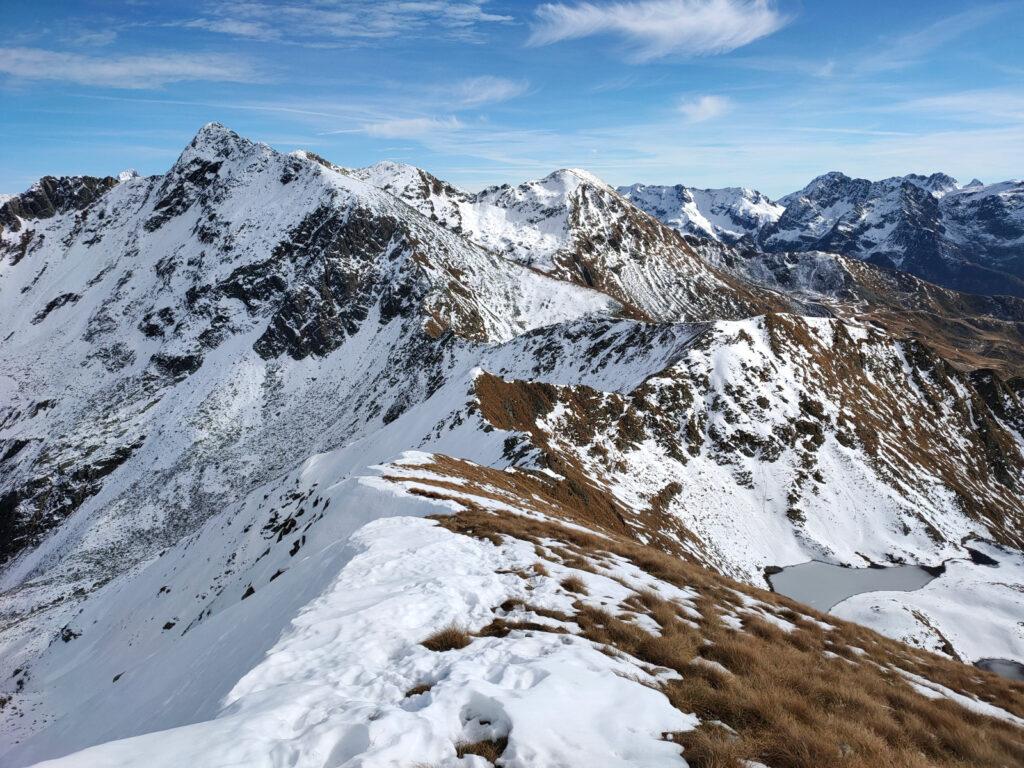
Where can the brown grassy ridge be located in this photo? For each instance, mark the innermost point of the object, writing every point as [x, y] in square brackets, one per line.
[812, 696]
[981, 476]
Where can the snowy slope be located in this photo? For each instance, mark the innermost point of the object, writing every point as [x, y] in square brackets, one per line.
[573, 226]
[729, 215]
[333, 688]
[777, 440]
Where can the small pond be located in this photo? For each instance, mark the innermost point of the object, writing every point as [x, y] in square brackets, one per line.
[823, 585]
[1012, 670]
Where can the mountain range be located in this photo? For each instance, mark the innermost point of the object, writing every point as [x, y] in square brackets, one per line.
[310, 465]
[970, 238]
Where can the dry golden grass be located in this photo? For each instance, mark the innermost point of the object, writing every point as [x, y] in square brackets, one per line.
[452, 637]
[501, 628]
[489, 750]
[574, 584]
[786, 703]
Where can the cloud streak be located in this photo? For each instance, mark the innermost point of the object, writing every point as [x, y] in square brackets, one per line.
[144, 71]
[657, 28]
[412, 128]
[705, 108]
[478, 91]
[908, 49]
[334, 21]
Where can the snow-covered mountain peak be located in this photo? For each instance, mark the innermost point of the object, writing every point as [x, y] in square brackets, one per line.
[829, 188]
[730, 214]
[938, 184]
[571, 179]
[215, 142]
[554, 192]
[575, 227]
[835, 184]
[389, 171]
[422, 190]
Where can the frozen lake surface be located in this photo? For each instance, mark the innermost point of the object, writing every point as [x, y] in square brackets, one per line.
[1004, 667]
[823, 585]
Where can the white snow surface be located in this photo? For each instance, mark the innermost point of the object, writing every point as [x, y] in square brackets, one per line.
[332, 690]
[976, 608]
[306, 656]
[727, 215]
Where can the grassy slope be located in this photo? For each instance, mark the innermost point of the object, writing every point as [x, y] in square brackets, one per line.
[770, 679]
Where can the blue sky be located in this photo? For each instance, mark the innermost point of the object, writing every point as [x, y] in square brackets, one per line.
[703, 92]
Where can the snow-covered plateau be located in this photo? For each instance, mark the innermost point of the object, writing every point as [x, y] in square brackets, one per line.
[311, 466]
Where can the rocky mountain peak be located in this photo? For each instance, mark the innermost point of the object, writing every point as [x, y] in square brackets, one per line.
[937, 183]
[828, 189]
[216, 142]
[969, 238]
[50, 196]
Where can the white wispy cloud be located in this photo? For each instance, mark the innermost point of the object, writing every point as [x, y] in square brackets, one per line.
[889, 53]
[657, 28]
[254, 30]
[411, 127]
[704, 108]
[95, 37]
[487, 89]
[320, 23]
[997, 105]
[143, 71]
[911, 47]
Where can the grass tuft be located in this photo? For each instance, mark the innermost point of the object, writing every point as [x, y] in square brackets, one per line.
[574, 584]
[489, 750]
[451, 638]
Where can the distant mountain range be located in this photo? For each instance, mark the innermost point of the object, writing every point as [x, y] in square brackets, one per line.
[970, 237]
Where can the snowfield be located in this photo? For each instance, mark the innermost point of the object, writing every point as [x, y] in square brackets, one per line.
[973, 609]
[332, 690]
